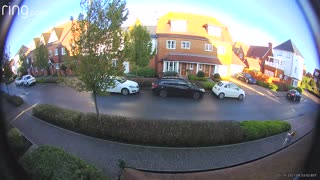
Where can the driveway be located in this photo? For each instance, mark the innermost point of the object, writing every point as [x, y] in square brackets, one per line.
[258, 104]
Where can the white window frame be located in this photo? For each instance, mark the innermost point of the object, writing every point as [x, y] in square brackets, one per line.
[178, 26]
[56, 52]
[208, 47]
[185, 45]
[191, 66]
[294, 83]
[221, 50]
[171, 44]
[200, 67]
[63, 50]
[171, 66]
[50, 53]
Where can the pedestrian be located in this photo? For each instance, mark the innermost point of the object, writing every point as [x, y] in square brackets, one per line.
[289, 137]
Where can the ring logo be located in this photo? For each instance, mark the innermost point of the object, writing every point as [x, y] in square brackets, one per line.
[12, 10]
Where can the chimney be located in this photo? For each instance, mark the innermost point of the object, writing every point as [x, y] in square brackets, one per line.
[270, 45]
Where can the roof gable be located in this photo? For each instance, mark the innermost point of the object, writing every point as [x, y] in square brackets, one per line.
[23, 49]
[253, 63]
[288, 46]
[236, 60]
[44, 38]
[257, 51]
[53, 37]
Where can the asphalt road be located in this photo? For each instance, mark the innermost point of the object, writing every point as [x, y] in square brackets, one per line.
[259, 104]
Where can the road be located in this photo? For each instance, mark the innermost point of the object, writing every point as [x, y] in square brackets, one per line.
[259, 104]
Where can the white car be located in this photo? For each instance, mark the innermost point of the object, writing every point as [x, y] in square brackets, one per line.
[27, 80]
[228, 89]
[18, 81]
[123, 86]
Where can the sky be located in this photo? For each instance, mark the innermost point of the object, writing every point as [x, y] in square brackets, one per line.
[254, 22]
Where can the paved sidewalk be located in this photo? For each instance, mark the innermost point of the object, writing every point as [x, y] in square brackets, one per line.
[106, 155]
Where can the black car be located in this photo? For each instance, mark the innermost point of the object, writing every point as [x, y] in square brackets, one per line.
[176, 87]
[294, 95]
[246, 77]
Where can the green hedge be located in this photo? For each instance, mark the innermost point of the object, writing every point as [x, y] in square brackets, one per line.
[208, 85]
[196, 78]
[261, 129]
[172, 133]
[49, 79]
[147, 72]
[271, 86]
[144, 82]
[18, 142]
[47, 162]
[170, 73]
[13, 99]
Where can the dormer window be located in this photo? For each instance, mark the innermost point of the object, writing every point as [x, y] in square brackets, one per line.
[214, 30]
[178, 25]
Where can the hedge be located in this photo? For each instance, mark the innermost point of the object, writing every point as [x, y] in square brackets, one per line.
[49, 79]
[196, 78]
[47, 162]
[171, 133]
[13, 99]
[208, 85]
[18, 142]
[143, 82]
[261, 129]
[271, 86]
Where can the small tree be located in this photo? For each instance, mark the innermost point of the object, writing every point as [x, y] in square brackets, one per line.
[41, 57]
[23, 69]
[96, 42]
[6, 68]
[138, 46]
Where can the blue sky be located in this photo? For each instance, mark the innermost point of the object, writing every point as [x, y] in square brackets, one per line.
[254, 22]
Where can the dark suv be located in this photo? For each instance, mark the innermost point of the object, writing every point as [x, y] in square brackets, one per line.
[176, 87]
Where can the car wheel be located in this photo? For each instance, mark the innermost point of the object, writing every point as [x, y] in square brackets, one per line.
[247, 81]
[241, 97]
[124, 91]
[163, 93]
[196, 95]
[221, 96]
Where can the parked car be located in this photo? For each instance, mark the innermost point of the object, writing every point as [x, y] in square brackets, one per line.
[246, 77]
[18, 81]
[294, 95]
[176, 87]
[123, 86]
[228, 89]
[27, 80]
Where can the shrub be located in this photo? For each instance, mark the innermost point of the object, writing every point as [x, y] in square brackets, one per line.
[200, 74]
[63, 67]
[147, 72]
[18, 142]
[144, 82]
[49, 79]
[15, 100]
[153, 132]
[170, 73]
[208, 85]
[216, 77]
[196, 78]
[261, 129]
[47, 162]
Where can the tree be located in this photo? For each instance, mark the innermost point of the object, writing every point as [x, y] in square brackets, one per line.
[7, 71]
[96, 44]
[138, 46]
[23, 69]
[41, 57]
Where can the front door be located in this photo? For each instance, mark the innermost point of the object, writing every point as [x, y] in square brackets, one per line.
[206, 70]
[183, 69]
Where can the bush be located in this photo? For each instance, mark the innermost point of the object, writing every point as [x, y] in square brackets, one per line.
[208, 85]
[147, 72]
[271, 86]
[49, 79]
[261, 129]
[15, 100]
[63, 67]
[144, 82]
[47, 162]
[146, 132]
[216, 77]
[200, 74]
[170, 73]
[17, 142]
[196, 78]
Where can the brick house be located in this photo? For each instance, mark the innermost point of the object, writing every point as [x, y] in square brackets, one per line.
[15, 61]
[189, 43]
[316, 77]
[256, 57]
[287, 64]
[240, 49]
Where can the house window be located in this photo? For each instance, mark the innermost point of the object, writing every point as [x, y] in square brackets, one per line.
[56, 52]
[241, 56]
[57, 66]
[171, 66]
[280, 76]
[200, 67]
[288, 54]
[178, 26]
[279, 53]
[214, 30]
[185, 44]
[50, 53]
[221, 50]
[191, 66]
[285, 78]
[208, 47]
[154, 45]
[295, 69]
[114, 62]
[171, 44]
[294, 83]
[63, 50]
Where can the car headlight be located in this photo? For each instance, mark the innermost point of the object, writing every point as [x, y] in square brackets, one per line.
[202, 90]
[132, 86]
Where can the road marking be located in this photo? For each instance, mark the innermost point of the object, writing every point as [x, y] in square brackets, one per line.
[20, 114]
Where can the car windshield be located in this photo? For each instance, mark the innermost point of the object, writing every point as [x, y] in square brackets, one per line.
[220, 84]
[121, 79]
[248, 75]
